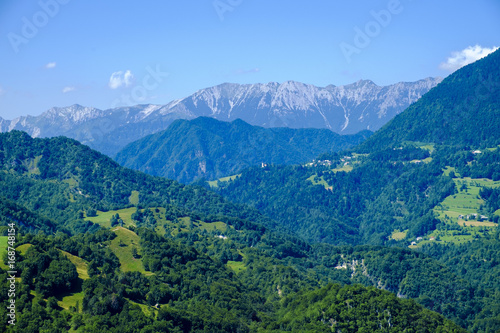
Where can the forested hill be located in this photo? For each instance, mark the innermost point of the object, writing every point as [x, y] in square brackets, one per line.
[64, 180]
[464, 109]
[114, 250]
[211, 149]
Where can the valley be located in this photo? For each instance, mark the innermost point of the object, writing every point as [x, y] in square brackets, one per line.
[391, 231]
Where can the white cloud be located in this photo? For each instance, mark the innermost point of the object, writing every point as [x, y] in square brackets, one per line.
[50, 65]
[467, 56]
[119, 79]
[247, 71]
[68, 89]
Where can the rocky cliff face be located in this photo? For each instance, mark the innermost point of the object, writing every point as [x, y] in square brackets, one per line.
[344, 109]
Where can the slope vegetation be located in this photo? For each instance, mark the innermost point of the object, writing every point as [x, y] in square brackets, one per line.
[208, 148]
[464, 109]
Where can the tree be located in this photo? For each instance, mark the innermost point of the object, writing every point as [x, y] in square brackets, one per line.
[134, 253]
[91, 212]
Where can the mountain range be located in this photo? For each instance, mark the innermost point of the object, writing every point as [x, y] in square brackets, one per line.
[343, 109]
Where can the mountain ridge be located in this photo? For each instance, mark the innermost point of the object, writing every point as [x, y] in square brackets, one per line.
[208, 148]
[344, 109]
[464, 109]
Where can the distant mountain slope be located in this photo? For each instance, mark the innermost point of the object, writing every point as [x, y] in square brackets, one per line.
[464, 109]
[3, 125]
[343, 109]
[205, 147]
[104, 130]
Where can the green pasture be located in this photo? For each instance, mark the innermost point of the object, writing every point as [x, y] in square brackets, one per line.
[466, 201]
[215, 183]
[398, 235]
[122, 247]
[236, 266]
[103, 218]
[80, 264]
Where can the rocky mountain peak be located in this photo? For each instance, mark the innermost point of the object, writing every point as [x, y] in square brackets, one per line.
[74, 113]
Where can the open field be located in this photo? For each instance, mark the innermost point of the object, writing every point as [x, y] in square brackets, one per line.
[122, 247]
[3, 244]
[146, 309]
[103, 218]
[3, 249]
[449, 169]
[421, 145]
[213, 183]
[466, 202]
[319, 181]
[134, 198]
[162, 226]
[221, 226]
[236, 266]
[23, 248]
[447, 237]
[81, 265]
[477, 223]
[68, 300]
[345, 168]
[398, 235]
[462, 208]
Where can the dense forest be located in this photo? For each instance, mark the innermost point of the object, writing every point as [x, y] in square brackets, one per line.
[182, 289]
[383, 192]
[208, 148]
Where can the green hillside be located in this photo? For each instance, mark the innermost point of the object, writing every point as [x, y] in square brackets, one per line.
[10, 212]
[357, 309]
[363, 204]
[76, 182]
[464, 109]
[186, 259]
[186, 290]
[211, 149]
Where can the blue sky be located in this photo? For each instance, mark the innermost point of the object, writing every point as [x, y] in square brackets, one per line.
[111, 53]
